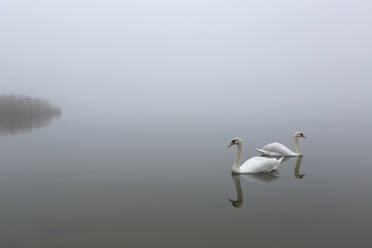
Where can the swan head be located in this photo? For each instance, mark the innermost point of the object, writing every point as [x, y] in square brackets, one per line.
[299, 135]
[235, 141]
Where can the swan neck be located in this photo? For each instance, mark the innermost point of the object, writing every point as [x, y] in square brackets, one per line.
[298, 147]
[238, 157]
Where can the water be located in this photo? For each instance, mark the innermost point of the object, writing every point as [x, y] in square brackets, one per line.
[85, 181]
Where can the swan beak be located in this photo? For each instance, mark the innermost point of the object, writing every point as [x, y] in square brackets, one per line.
[303, 136]
[231, 144]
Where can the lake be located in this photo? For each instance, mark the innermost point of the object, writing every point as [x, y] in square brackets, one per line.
[127, 180]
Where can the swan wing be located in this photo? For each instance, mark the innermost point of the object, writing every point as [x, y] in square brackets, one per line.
[259, 165]
[278, 149]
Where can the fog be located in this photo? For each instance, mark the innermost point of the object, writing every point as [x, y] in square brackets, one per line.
[152, 92]
[188, 56]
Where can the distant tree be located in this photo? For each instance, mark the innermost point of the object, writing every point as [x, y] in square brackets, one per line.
[22, 113]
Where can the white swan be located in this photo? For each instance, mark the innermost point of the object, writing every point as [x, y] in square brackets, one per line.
[252, 165]
[277, 149]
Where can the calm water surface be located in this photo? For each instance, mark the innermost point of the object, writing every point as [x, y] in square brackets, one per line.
[86, 181]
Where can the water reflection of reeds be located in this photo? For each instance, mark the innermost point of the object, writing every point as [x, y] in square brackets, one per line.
[21, 114]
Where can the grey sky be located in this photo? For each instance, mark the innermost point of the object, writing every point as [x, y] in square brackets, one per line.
[187, 55]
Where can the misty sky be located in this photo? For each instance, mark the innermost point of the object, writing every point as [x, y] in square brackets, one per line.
[188, 55]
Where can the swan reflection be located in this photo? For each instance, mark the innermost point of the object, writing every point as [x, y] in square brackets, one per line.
[256, 178]
[297, 169]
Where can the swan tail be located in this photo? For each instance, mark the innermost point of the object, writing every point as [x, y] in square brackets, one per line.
[267, 153]
[280, 159]
[261, 151]
[277, 165]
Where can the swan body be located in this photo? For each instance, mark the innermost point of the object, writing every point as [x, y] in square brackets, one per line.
[258, 165]
[255, 164]
[276, 149]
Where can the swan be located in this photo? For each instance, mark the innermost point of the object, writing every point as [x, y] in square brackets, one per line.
[277, 149]
[252, 165]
